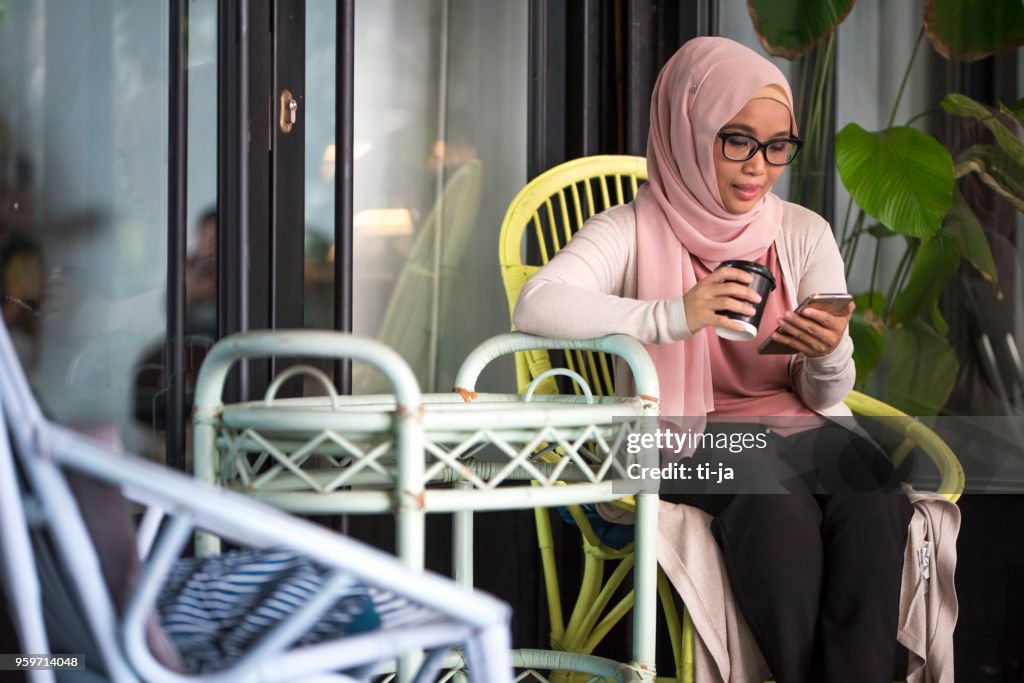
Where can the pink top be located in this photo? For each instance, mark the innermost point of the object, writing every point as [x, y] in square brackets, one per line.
[744, 381]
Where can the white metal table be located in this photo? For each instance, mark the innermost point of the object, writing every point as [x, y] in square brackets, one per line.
[393, 453]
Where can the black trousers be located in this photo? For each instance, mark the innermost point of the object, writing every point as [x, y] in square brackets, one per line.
[816, 571]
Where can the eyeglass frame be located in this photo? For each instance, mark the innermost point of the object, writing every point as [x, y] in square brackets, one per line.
[760, 147]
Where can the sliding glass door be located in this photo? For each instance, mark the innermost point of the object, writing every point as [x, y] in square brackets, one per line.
[172, 171]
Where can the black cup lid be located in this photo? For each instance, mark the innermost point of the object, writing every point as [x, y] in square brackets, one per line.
[750, 267]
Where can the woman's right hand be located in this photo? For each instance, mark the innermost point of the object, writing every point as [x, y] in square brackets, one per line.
[725, 289]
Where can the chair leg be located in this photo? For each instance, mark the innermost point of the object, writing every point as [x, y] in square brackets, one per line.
[675, 635]
[462, 542]
[645, 585]
[689, 672]
[597, 632]
[593, 600]
[546, 545]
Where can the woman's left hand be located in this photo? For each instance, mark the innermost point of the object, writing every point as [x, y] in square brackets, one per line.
[813, 332]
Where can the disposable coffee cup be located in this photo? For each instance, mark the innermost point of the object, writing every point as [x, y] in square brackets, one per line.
[763, 284]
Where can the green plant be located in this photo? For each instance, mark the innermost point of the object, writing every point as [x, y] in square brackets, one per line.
[904, 179]
[958, 29]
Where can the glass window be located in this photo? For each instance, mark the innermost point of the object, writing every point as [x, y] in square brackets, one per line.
[440, 150]
[83, 162]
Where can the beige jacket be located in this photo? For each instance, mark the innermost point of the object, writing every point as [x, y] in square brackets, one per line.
[725, 649]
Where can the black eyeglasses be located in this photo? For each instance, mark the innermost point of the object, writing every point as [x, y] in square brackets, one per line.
[777, 151]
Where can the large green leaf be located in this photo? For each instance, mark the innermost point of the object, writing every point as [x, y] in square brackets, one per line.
[962, 105]
[900, 175]
[962, 222]
[868, 333]
[996, 168]
[935, 263]
[923, 369]
[971, 29]
[790, 28]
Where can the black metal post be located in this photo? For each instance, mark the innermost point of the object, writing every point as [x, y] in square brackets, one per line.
[344, 94]
[641, 71]
[177, 231]
[546, 104]
[591, 84]
[232, 178]
[698, 19]
[259, 94]
[286, 175]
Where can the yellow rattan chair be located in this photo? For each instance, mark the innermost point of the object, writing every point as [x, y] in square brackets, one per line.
[551, 209]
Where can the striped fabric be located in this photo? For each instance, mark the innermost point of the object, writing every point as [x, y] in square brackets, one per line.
[215, 609]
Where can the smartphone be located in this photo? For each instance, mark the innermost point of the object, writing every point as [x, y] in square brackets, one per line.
[830, 303]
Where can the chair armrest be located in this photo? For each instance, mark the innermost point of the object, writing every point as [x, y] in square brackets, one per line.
[191, 504]
[248, 522]
[951, 473]
[626, 347]
[316, 344]
[308, 344]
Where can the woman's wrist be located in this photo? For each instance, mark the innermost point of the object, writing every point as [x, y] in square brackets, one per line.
[678, 322]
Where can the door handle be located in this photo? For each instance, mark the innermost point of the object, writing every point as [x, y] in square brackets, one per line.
[288, 111]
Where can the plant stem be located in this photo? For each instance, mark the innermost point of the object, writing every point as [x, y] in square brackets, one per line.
[858, 228]
[874, 272]
[898, 277]
[825, 119]
[906, 76]
[890, 295]
[846, 221]
[905, 275]
[922, 115]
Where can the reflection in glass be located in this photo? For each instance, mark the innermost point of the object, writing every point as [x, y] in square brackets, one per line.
[83, 181]
[440, 148]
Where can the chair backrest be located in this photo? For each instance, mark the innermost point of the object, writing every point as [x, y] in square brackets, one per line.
[541, 219]
[44, 536]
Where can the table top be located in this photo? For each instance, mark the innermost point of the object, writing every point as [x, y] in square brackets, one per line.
[550, 440]
[442, 413]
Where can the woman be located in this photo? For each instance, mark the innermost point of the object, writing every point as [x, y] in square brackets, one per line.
[816, 575]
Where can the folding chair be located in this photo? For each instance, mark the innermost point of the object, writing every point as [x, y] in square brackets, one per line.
[61, 604]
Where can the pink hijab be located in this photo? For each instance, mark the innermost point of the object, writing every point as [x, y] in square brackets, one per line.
[679, 212]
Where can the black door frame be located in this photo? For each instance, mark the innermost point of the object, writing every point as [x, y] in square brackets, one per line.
[592, 68]
[260, 173]
[260, 189]
[177, 231]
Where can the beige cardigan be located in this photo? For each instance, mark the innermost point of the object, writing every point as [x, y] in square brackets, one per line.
[589, 289]
[725, 649]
